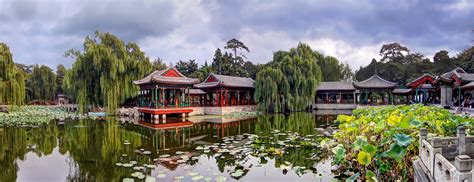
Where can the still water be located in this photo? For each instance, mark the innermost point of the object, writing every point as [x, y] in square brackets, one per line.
[265, 148]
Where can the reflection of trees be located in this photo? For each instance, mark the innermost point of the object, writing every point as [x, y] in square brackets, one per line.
[301, 122]
[96, 147]
[16, 142]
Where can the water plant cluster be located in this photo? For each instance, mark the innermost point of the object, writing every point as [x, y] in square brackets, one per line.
[242, 114]
[30, 116]
[381, 143]
[290, 150]
[234, 155]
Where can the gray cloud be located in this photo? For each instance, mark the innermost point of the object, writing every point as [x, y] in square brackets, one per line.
[40, 31]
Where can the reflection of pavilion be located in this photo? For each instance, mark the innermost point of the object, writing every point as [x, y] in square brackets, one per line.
[173, 135]
[325, 118]
[178, 134]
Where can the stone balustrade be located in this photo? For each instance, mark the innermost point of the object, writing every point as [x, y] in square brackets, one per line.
[445, 159]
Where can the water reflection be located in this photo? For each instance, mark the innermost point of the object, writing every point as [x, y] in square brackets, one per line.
[91, 149]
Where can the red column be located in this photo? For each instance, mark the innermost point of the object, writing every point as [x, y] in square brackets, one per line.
[222, 98]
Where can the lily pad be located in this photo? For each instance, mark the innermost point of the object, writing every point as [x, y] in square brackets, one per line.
[127, 165]
[192, 174]
[136, 174]
[150, 179]
[178, 177]
[196, 178]
[128, 180]
[237, 173]
[221, 179]
[161, 175]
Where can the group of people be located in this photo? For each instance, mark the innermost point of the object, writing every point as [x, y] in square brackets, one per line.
[466, 102]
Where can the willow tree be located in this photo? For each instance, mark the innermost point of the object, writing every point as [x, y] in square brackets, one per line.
[289, 81]
[103, 73]
[12, 79]
[41, 84]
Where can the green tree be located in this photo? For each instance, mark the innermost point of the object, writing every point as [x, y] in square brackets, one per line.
[347, 73]
[393, 52]
[289, 81]
[251, 69]
[398, 64]
[103, 73]
[465, 59]
[235, 45]
[158, 64]
[203, 72]
[41, 84]
[233, 64]
[187, 68]
[12, 79]
[331, 69]
[60, 73]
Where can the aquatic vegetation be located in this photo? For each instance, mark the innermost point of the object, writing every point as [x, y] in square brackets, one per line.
[380, 143]
[242, 114]
[114, 150]
[29, 116]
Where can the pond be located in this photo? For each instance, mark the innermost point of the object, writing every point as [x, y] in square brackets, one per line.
[265, 148]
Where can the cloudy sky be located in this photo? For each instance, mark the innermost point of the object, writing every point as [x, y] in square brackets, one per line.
[351, 30]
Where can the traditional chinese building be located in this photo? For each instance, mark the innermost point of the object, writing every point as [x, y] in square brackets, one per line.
[455, 86]
[222, 90]
[165, 92]
[168, 92]
[374, 91]
[335, 95]
[423, 89]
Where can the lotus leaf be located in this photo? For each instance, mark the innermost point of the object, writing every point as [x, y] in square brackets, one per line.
[364, 158]
[402, 139]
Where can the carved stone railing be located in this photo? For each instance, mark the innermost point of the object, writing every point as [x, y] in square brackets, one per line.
[445, 159]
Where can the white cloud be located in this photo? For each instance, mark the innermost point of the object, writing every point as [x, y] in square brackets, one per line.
[356, 56]
[182, 30]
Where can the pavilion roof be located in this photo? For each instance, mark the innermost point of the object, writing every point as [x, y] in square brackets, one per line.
[215, 80]
[467, 77]
[401, 90]
[324, 86]
[169, 75]
[375, 81]
[420, 78]
[459, 73]
[468, 86]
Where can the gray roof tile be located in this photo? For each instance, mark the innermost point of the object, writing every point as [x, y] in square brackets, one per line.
[227, 81]
[375, 81]
[335, 86]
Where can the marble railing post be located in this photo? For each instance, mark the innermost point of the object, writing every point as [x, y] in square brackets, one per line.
[461, 134]
[423, 134]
